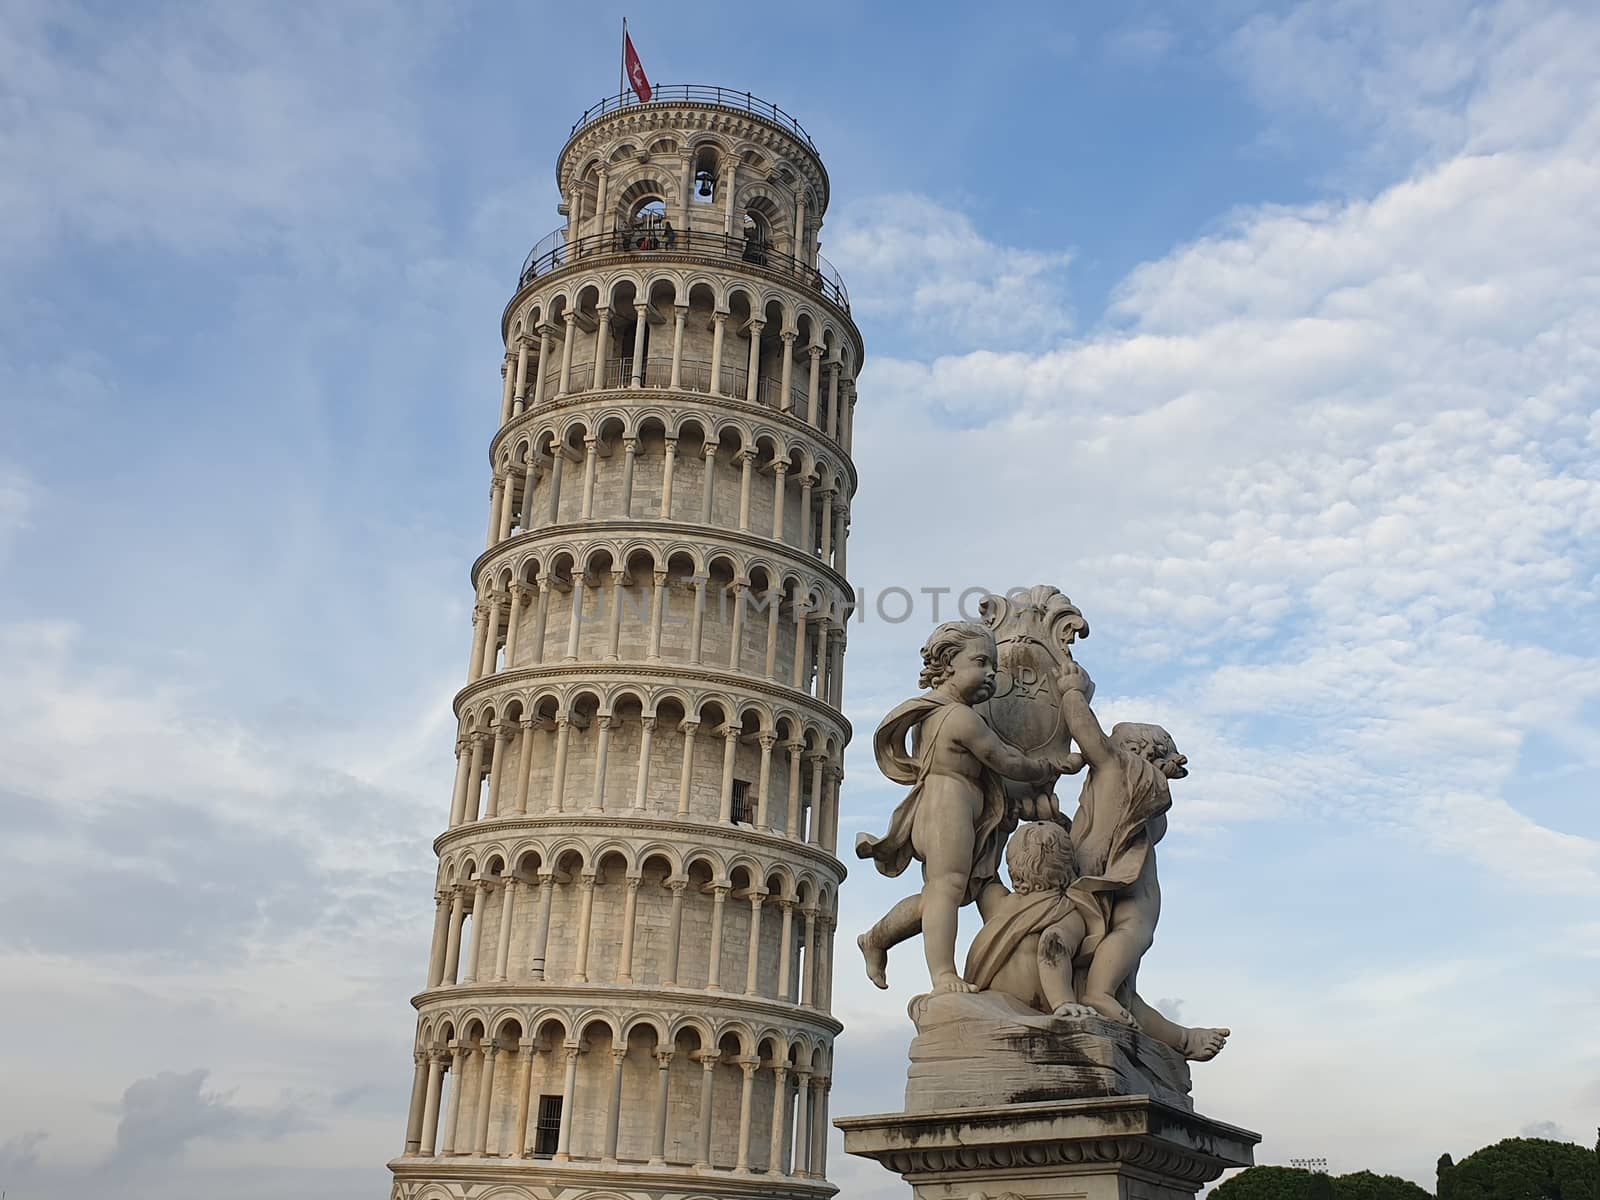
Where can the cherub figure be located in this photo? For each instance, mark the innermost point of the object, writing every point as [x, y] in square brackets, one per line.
[1031, 936]
[1121, 816]
[955, 819]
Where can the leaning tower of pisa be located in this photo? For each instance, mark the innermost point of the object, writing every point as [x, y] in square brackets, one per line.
[629, 986]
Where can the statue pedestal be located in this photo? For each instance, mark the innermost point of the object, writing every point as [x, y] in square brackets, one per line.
[984, 1049]
[1093, 1148]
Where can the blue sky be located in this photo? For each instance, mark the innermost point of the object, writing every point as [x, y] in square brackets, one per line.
[1266, 332]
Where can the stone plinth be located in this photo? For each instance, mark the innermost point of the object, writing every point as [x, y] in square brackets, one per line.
[986, 1049]
[1106, 1148]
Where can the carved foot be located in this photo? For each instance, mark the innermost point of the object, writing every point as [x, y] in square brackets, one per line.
[1110, 1009]
[951, 982]
[1202, 1045]
[1071, 1009]
[877, 960]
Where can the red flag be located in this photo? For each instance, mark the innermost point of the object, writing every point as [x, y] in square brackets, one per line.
[636, 76]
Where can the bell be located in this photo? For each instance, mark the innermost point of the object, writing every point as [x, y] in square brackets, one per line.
[705, 180]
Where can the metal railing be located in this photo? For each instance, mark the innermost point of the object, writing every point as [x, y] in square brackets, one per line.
[553, 251]
[697, 93]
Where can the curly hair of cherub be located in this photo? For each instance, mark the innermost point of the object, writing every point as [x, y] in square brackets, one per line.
[1146, 741]
[1039, 858]
[942, 646]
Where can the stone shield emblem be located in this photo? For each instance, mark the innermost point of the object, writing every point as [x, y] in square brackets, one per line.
[1034, 630]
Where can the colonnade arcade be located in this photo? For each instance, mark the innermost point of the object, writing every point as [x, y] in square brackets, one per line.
[700, 467]
[480, 1076]
[683, 331]
[663, 917]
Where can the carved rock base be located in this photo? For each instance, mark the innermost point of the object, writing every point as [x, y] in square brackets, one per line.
[1113, 1148]
[983, 1049]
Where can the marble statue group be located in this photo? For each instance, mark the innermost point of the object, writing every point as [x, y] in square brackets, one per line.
[1004, 714]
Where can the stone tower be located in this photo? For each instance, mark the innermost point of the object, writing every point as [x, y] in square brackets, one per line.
[629, 985]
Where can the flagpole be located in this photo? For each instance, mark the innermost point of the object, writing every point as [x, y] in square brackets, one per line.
[622, 64]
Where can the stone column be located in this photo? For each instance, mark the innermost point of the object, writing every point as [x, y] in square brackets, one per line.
[820, 683]
[780, 470]
[762, 816]
[786, 948]
[508, 383]
[569, 1089]
[508, 905]
[541, 944]
[658, 1145]
[602, 333]
[558, 459]
[686, 771]
[801, 612]
[753, 958]
[480, 620]
[680, 313]
[441, 936]
[419, 1089]
[469, 811]
[753, 371]
[641, 315]
[670, 974]
[819, 1126]
[658, 600]
[585, 923]
[833, 399]
[669, 458]
[814, 385]
[602, 204]
[780, 1114]
[630, 455]
[495, 490]
[800, 251]
[614, 634]
[458, 796]
[708, 482]
[826, 524]
[807, 542]
[646, 738]
[541, 619]
[792, 817]
[558, 781]
[544, 359]
[567, 338]
[802, 1127]
[719, 902]
[748, 1066]
[508, 507]
[774, 605]
[813, 837]
[479, 892]
[614, 1108]
[630, 918]
[575, 619]
[525, 764]
[480, 1137]
[731, 175]
[786, 383]
[602, 752]
[697, 622]
[524, 1086]
[518, 389]
[519, 595]
[719, 321]
[808, 980]
[430, 1111]
[736, 640]
[457, 1074]
[502, 735]
[730, 748]
[708, 1066]
[452, 957]
[491, 637]
[747, 460]
[591, 455]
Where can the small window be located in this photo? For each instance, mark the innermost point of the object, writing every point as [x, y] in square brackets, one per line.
[547, 1136]
[741, 802]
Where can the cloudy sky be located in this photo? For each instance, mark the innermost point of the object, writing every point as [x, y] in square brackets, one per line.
[1268, 333]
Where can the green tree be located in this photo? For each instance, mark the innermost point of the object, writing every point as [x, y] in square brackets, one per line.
[1527, 1169]
[1269, 1183]
[1364, 1185]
